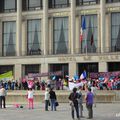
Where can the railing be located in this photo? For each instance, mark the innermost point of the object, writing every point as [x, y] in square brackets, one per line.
[9, 10]
[35, 8]
[112, 1]
[88, 51]
[59, 6]
[87, 2]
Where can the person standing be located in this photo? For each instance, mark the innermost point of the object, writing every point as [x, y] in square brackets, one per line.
[89, 103]
[80, 101]
[2, 96]
[47, 97]
[52, 99]
[30, 98]
[73, 97]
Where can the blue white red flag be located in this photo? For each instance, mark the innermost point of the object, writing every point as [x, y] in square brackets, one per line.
[83, 28]
[83, 75]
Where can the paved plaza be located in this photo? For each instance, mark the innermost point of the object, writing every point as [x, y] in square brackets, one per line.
[101, 112]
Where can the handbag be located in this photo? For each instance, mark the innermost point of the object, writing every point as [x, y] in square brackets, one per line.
[56, 103]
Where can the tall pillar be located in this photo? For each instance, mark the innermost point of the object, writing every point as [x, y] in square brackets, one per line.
[45, 26]
[0, 38]
[18, 71]
[102, 11]
[24, 37]
[18, 26]
[73, 23]
[72, 69]
[103, 67]
[108, 31]
[44, 69]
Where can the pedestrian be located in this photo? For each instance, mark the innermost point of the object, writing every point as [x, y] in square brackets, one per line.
[47, 97]
[93, 90]
[89, 103]
[73, 97]
[80, 101]
[53, 99]
[2, 97]
[30, 98]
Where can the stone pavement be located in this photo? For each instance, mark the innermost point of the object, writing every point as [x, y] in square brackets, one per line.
[101, 112]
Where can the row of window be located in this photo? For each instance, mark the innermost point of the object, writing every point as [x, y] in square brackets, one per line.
[60, 40]
[11, 5]
[35, 68]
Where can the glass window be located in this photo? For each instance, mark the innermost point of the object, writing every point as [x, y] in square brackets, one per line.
[31, 69]
[115, 32]
[9, 5]
[90, 34]
[34, 37]
[9, 38]
[34, 4]
[60, 40]
[58, 3]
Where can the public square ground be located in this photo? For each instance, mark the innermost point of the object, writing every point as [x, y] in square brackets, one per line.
[101, 112]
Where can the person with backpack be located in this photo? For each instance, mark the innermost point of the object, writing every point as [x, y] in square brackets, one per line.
[73, 97]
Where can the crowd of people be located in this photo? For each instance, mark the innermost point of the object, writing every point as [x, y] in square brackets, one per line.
[62, 84]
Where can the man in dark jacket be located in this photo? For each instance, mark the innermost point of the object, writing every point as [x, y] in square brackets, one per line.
[52, 99]
[74, 103]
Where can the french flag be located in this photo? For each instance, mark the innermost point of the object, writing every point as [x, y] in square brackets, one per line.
[83, 75]
[83, 28]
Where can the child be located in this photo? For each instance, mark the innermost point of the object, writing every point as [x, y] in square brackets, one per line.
[30, 98]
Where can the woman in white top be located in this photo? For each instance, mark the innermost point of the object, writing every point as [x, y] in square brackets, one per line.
[30, 98]
[47, 97]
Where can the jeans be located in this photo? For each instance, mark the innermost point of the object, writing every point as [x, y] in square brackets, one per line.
[52, 103]
[46, 104]
[2, 99]
[75, 106]
[90, 110]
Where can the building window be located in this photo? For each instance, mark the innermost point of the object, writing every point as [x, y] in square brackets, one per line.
[115, 32]
[90, 34]
[32, 69]
[112, 1]
[58, 3]
[60, 31]
[34, 4]
[34, 37]
[87, 2]
[10, 5]
[88, 67]
[9, 38]
[5, 68]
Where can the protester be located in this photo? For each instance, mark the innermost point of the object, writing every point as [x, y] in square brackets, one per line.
[30, 98]
[2, 97]
[80, 101]
[47, 97]
[74, 103]
[53, 99]
[89, 103]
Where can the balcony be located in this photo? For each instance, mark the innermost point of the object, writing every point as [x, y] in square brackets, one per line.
[87, 2]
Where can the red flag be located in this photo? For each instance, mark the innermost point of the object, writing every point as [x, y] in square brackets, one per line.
[92, 40]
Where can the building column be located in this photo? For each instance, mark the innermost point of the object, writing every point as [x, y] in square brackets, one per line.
[73, 23]
[1, 38]
[72, 69]
[103, 67]
[18, 71]
[44, 69]
[24, 37]
[103, 30]
[108, 32]
[18, 27]
[45, 26]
